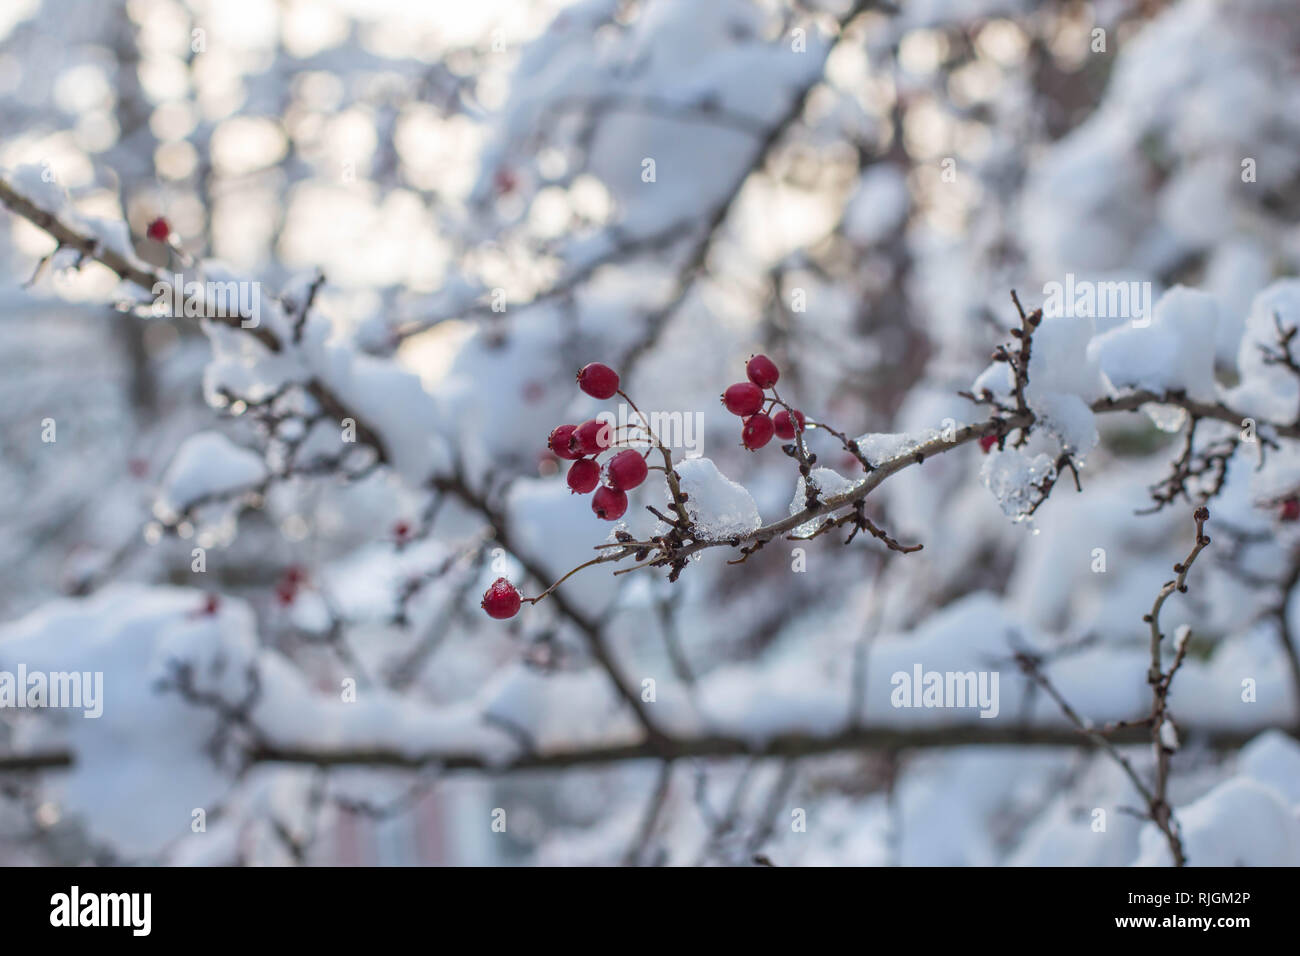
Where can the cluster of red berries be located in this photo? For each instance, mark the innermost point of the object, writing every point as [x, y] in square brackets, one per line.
[583, 444]
[749, 401]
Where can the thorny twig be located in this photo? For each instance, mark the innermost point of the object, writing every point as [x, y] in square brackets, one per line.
[1163, 733]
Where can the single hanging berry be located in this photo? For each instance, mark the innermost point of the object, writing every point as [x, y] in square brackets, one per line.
[159, 230]
[598, 381]
[561, 442]
[592, 437]
[762, 371]
[786, 422]
[584, 475]
[501, 600]
[626, 470]
[743, 398]
[609, 503]
[285, 593]
[757, 432]
[987, 442]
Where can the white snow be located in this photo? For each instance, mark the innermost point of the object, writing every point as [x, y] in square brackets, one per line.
[1174, 353]
[718, 507]
[1014, 479]
[207, 465]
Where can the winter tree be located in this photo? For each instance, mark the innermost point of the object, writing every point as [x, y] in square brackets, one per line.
[650, 432]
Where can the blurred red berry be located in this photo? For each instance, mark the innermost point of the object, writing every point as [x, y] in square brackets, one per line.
[743, 398]
[401, 531]
[785, 424]
[757, 432]
[1291, 509]
[501, 600]
[584, 475]
[987, 442]
[609, 503]
[598, 381]
[627, 470]
[159, 230]
[505, 181]
[211, 604]
[762, 371]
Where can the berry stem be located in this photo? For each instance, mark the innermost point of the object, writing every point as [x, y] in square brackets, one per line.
[679, 503]
[612, 556]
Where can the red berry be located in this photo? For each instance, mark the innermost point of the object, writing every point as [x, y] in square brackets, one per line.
[592, 437]
[626, 470]
[561, 440]
[609, 503]
[159, 230]
[501, 600]
[1291, 509]
[757, 432]
[285, 593]
[401, 531]
[785, 425]
[598, 381]
[211, 604]
[987, 442]
[744, 398]
[762, 371]
[584, 475]
[504, 181]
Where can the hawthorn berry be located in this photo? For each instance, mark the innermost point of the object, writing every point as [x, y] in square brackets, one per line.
[757, 432]
[785, 423]
[987, 442]
[626, 470]
[592, 437]
[1291, 509]
[504, 181]
[598, 381]
[159, 230]
[609, 503]
[762, 371]
[584, 474]
[561, 442]
[743, 398]
[501, 600]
